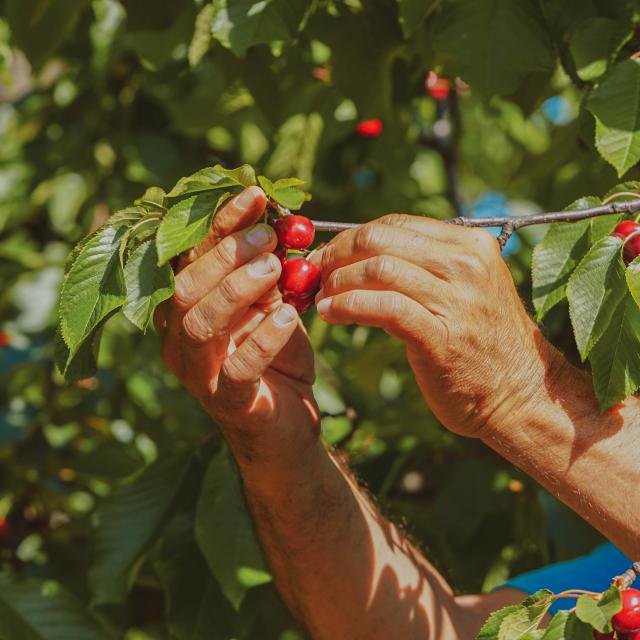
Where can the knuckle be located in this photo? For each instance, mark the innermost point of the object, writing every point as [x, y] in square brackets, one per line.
[367, 238]
[256, 348]
[195, 326]
[393, 306]
[236, 370]
[381, 268]
[229, 291]
[183, 294]
[334, 281]
[395, 219]
[224, 253]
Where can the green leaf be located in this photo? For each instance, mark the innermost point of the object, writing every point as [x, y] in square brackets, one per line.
[615, 359]
[411, 14]
[206, 179]
[594, 42]
[240, 24]
[147, 284]
[602, 226]
[129, 521]
[520, 623]
[565, 626]
[197, 608]
[93, 287]
[153, 197]
[554, 259]
[296, 145]
[33, 609]
[225, 533]
[496, 43]
[491, 628]
[201, 39]
[594, 290]
[598, 613]
[39, 27]
[285, 191]
[615, 103]
[185, 224]
[243, 176]
[127, 216]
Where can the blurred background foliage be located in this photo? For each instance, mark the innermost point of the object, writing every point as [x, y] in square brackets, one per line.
[104, 485]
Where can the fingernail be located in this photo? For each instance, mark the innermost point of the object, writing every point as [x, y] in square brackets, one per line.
[323, 306]
[284, 315]
[262, 266]
[260, 235]
[245, 199]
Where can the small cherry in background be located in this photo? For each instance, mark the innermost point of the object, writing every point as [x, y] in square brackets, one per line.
[628, 619]
[438, 88]
[4, 339]
[632, 246]
[294, 231]
[5, 531]
[370, 128]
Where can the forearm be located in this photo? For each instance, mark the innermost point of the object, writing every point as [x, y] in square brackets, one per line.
[344, 570]
[587, 459]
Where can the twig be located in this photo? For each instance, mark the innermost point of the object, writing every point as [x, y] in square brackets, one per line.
[509, 224]
[625, 580]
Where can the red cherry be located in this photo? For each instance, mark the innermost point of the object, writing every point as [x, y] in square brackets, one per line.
[294, 232]
[632, 635]
[629, 618]
[4, 339]
[299, 278]
[631, 249]
[281, 253]
[603, 636]
[370, 128]
[626, 228]
[5, 531]
[301, 304]
[437, 87]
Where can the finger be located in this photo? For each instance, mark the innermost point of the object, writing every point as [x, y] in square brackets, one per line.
[196, 280]
[243, 211]
[220, 309]
[437, 229]
[250, 360]
[160, 319]
[375, 239]
[385, 272]
[395, 313]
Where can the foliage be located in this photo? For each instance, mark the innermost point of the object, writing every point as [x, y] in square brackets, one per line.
[101, 481]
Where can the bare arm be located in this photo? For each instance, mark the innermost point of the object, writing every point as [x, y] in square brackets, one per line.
[483, 366]
[342, 568]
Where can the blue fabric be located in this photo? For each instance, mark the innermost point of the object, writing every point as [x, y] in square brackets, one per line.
[593, 573]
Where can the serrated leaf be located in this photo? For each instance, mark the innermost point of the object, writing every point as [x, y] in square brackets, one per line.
[185, 224]
[594, 42]
[554, 259]
[594, 289]
[615, 103]
[147, 284]
[494, 64]
[32, 609]
[128, 522]
[84, 362]
[206, 179]
[127, 216]
[598, 613]
[615, 359]
[152, 197]
[411, 14]
[243, 176]
[602, 226]
[520, 623]
[565, 626]
[224, 531]
[240, 24]
[491, 628]
[93, 286]
[285, 191]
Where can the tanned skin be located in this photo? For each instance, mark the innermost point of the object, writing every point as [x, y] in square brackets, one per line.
[485, 370]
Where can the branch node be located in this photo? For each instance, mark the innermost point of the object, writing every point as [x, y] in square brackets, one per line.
[507, 231]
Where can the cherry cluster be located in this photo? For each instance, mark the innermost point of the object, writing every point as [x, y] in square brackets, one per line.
[629, 231]
[300, 278]
[626, 623]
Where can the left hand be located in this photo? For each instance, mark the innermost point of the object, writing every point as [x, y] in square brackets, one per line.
[445, 291]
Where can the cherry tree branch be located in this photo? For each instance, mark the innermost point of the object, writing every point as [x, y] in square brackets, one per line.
[509, 224]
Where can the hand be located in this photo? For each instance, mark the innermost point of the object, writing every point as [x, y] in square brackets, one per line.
[233, 343]
[445, 291]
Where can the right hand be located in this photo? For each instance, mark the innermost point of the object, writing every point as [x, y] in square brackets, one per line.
[235, 345]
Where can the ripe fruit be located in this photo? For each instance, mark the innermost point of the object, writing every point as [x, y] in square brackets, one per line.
[626, 228]
[629, 618]
[299, 279]
[294, 232]
[301, 304]
[603, 636]
[437, 87]
[281, 253]
[370, 128]
[631, 249]
[5, 531]
[4, 339]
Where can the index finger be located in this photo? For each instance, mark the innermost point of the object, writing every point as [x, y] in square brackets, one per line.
[240, 212]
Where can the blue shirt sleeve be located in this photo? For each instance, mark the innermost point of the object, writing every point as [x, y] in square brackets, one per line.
[593, 572]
